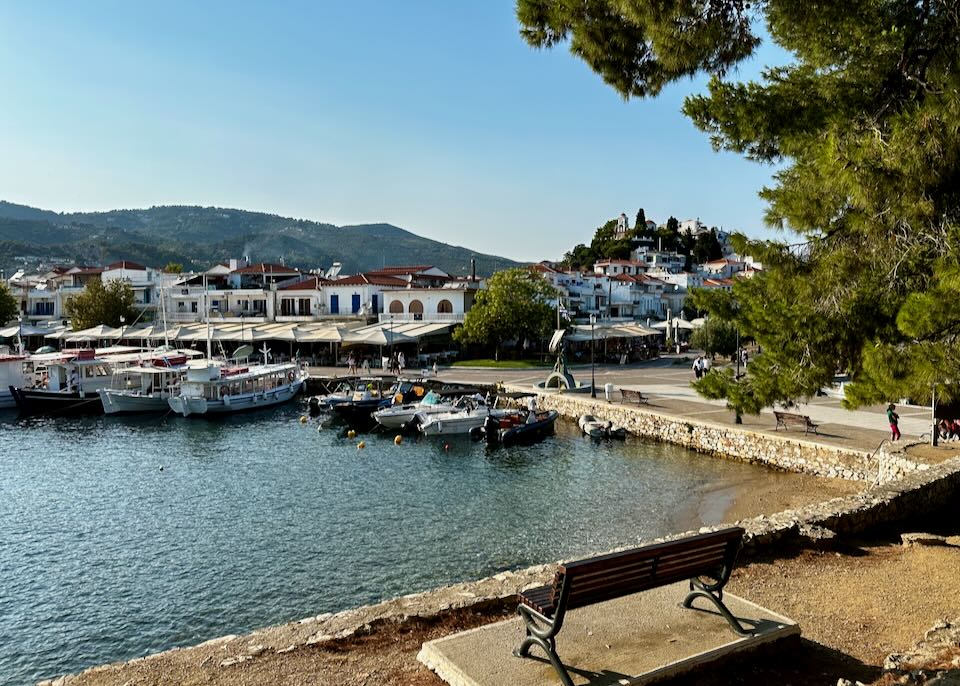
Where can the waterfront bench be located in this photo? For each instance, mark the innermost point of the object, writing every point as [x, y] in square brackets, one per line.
[706, 560]
[790, 420]
[629, 395]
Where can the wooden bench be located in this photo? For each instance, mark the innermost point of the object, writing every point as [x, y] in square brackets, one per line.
[628, 395]
[789, 420]
[706, 560]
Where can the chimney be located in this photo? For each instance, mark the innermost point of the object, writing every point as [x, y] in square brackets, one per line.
[473, 269]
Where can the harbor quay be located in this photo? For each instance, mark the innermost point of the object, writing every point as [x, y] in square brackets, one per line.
[859, 484]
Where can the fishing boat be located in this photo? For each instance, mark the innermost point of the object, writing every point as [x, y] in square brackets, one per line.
[16, 371]
[460, 421]
[518, 430]
[372, 395]
[214, 387]
[148, 386]
[72, 381]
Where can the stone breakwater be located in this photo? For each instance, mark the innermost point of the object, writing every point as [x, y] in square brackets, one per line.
[791, 454]
[915, 493]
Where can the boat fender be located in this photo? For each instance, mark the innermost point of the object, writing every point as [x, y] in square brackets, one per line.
[397, 440]
[476, 433]
[290, 376]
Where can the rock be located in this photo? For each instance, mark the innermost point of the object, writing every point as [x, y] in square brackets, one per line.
[923, 539]
[255, 650]
[816, 533]
[230, 661]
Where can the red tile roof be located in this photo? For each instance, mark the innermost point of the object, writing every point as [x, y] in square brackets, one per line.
[89, 270]
[126, 264]
[369, 278]
[311, 284]
[266, 268]
[406, 269]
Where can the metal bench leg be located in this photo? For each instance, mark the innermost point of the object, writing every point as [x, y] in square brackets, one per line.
[545, 638]
[698, 591]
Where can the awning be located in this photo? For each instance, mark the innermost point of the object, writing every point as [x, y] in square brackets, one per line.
[607, 330]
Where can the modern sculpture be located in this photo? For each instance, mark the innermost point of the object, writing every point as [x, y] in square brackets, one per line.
[560, 377]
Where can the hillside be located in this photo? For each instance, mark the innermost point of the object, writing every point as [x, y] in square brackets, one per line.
[199, 236]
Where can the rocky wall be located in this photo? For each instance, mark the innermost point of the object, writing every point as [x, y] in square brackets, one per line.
[790, 454]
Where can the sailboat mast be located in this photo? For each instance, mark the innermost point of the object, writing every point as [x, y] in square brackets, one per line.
[206, 310]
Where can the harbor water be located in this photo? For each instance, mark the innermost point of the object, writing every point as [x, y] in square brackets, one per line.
[123, 537]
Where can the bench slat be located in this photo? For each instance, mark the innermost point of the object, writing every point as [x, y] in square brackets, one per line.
[613, 560]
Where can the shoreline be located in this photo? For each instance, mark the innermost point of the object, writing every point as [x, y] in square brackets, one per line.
[723, 501]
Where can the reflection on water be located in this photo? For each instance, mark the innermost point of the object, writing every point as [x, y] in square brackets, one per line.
[120, 537]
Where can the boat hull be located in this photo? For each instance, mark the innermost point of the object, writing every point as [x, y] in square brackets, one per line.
[6, 400]
[192, 405]
[115, 402]
[525, 434]
[32, 402]
[456, 423]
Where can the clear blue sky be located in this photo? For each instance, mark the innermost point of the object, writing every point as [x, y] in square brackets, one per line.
[434, 116]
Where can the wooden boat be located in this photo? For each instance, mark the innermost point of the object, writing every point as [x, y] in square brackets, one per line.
[211, 387]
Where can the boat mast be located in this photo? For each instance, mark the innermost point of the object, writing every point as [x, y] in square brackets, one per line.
[163, 315]
[206, 310]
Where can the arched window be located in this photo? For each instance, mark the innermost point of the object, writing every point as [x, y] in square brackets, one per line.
[396, 307]
[416, 309]
[445, 307]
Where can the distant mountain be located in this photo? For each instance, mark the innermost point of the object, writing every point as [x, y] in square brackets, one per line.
[200, 236]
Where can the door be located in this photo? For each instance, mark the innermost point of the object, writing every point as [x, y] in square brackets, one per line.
[334, 304]
[355, 303]
[373, 303]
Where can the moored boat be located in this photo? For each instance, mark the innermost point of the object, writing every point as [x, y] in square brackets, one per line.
[517, 430]
[461, 421]
[16, 371]
[147, 387]
[400, 416]
[211, 387]
[72, 381]
[598, 428]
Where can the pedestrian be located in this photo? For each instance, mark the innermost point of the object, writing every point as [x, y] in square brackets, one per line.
[744, 357]
[351, 364]
[401, 362]
[705, 366]
[365, 365]
[698, 367]
[894, 420]
[435, 369]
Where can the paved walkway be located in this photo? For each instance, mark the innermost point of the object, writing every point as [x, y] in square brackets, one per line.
[667, 382]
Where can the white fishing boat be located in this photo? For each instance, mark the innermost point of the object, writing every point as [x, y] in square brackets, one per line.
[400, 416]
[148, 386]
[213, 387]
[16, 371]
[462, 421]
[70, 381]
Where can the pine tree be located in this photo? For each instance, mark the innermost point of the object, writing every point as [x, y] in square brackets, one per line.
[864, 123]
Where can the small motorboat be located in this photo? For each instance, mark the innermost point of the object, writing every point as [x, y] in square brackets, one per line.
[517, 429]
[461, 421]
[399, 415]
[598, 428]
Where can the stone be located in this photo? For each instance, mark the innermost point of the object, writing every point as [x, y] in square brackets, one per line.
[230, 661]
[256, 650]
[923, 539]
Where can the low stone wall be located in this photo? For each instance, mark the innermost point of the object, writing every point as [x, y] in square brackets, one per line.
[791, 454]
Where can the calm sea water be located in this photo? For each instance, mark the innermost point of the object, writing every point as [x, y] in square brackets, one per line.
[258, 519]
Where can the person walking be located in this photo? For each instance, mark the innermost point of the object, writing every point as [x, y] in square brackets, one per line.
[401, 362]
[698, 367]
[351, 364]
[894, 420]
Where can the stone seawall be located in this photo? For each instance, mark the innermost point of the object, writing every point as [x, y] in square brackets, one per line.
[796, 455]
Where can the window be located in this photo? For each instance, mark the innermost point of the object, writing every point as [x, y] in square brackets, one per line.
[445, 307]
[303, 307]
[193, 306]
[286, 307]
[396, 307]
[416, 309]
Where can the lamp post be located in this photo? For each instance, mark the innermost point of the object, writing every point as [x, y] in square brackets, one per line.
[391, 338]
[593, 376]
[122, 320]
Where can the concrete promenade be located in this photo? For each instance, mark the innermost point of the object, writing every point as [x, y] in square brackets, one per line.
[667, 382]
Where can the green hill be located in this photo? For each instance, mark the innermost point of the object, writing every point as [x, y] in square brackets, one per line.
[200, 236]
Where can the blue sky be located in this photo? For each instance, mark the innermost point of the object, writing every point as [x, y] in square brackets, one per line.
[434, 116]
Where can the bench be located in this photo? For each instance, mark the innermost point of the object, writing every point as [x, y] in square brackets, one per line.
[790, 420]
[706, 560]
[628, 395]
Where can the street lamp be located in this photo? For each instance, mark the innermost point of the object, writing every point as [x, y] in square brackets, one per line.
[593, 377]
[122, 320]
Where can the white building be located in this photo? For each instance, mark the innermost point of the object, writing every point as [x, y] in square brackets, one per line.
[447, 303]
